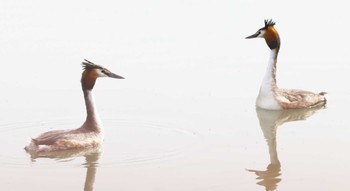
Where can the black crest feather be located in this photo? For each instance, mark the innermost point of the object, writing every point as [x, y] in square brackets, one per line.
[87, 65]
[269, 23]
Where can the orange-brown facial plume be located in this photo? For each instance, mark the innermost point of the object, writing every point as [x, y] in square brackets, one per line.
[88, 79]
[272, 38]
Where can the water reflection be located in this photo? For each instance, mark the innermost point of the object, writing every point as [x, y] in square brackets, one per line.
[92, 156]
[269, 121]
[91, 165]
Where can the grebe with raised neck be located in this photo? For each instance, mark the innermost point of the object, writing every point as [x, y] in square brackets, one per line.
[90, 134]
[270, 96]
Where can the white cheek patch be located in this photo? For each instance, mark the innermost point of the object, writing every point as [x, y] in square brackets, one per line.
[100, 73]
[262, 33]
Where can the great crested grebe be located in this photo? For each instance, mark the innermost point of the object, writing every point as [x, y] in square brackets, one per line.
[270, 96]
[90, 134]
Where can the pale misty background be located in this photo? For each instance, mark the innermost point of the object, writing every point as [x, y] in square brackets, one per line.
[189, 93]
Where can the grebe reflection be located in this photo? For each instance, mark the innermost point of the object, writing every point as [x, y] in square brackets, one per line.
[92, 156]
[269, 121]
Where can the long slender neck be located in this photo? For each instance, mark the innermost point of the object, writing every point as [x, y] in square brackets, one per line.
[269, 83]
[93, 121]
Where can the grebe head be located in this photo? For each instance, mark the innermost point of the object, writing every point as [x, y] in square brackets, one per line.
[92, 72]
[269, 33]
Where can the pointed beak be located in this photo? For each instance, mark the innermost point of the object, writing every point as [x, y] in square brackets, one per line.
[112, 75]
[253, 36]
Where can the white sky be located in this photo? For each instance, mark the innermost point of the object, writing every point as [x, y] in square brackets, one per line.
[40, 39]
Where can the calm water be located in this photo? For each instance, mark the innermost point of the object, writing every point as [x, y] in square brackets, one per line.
[184, 118]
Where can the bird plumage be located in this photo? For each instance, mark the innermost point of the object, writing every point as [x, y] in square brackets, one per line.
[270, 96]
[90, 134]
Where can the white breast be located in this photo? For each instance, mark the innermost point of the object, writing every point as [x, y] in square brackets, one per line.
[267, 101]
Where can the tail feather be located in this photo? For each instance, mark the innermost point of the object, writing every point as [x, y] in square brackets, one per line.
[324, 96]
[34, 141]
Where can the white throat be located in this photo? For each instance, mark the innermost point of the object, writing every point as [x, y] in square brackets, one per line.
[266, 98]
[93, 121]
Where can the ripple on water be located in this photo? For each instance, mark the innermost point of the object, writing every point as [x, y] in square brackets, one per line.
[127, 142]
[140, 141]
[14, 136]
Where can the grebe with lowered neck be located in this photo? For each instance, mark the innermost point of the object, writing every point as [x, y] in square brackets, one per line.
[90, 134]
[270, 96]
